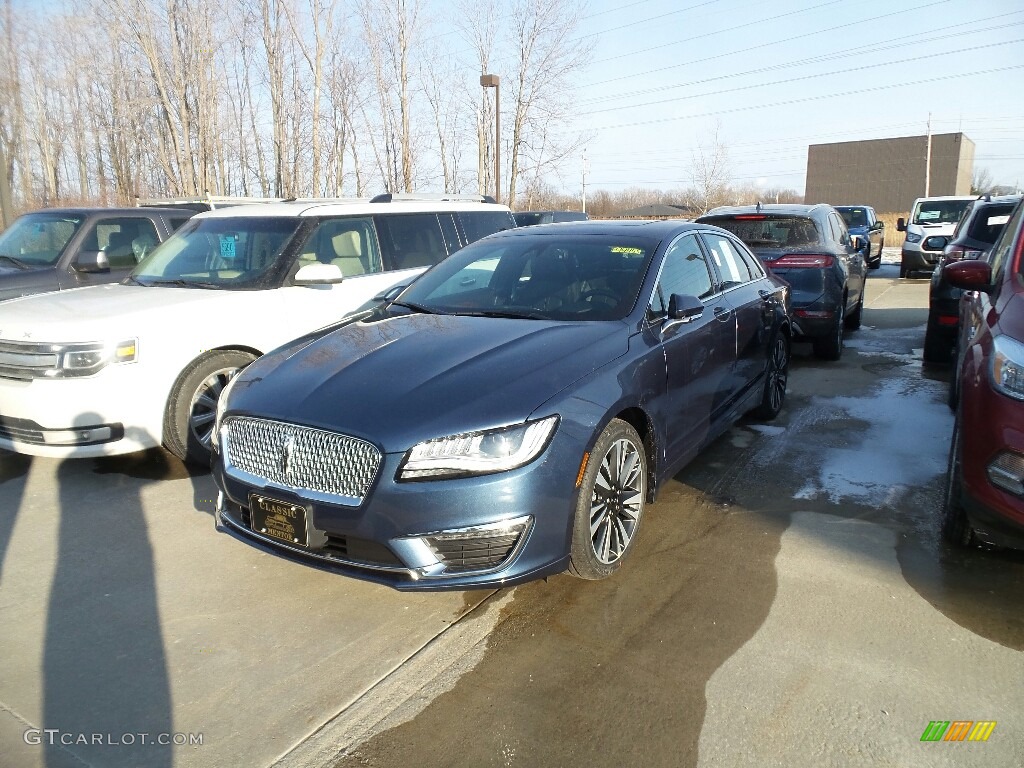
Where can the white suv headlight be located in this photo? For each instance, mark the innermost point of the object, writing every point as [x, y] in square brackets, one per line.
[1007, 369]
[478, 453]
[87, 359]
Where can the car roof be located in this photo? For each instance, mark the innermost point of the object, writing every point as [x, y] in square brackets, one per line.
[999, 200]
[945, 197]
[348, 208]
[653, 228]
[86, 210]
[844, 207]
[791, 209]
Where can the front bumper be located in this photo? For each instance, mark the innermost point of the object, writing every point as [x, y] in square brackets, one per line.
[113, 412]
[514, 526]
[917, 260]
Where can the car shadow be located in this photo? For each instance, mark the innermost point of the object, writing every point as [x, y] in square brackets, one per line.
[14, 468]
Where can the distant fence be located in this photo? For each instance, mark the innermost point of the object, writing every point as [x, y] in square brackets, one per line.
[892, 237]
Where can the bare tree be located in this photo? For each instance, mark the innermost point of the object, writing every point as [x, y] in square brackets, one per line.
[981, 181]
[709, 171]
[546, 57]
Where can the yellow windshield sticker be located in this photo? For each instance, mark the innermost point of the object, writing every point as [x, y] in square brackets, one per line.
[626, 249]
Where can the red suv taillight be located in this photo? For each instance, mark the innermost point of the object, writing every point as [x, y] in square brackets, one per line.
[957, 252]
[811, 260]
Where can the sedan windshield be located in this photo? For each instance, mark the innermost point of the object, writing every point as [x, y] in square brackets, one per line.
[37, 240]
[218, 253]
[584, 277]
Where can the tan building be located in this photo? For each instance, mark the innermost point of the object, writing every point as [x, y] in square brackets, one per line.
[888, 174]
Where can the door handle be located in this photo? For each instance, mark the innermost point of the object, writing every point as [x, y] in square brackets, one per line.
[722, 314]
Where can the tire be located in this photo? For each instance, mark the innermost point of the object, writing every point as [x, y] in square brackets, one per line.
[853, 320]
[936, 348]
[188, 421]
[776, 376]
[956, 528]
[831, 347]
[610, 504]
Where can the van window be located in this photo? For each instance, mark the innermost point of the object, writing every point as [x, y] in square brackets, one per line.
[348, 243]
[411, 240]
[477, 224]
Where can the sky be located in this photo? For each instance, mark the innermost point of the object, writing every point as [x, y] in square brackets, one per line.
[774, 77]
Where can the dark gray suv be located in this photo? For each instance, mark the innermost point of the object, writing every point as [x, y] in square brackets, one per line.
[59, 248]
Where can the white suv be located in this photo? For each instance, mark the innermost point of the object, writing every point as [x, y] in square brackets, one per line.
[119, 368]
[930, 216]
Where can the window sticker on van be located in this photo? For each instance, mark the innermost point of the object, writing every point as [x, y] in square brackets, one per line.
[227, 246]
[928, 215]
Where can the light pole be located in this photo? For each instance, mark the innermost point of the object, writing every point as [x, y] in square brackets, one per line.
[491, 81]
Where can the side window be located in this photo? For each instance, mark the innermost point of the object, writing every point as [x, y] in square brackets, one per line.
[730, 265]
[411, 240]
[684, 271]
[477, 224]
[175, 223]
[347, 243]
[450, 231]
[124, 240]
[1003, 246]
[751, 261]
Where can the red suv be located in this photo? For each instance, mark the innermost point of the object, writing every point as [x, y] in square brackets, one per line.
[985, 484]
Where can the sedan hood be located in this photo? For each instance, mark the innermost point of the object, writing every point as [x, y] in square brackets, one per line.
[406, 379]
[102, 312]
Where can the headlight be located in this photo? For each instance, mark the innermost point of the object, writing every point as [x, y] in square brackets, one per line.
[87, 359]
[478, 453]
[914, 237]
[222, 406]
[1007, 369]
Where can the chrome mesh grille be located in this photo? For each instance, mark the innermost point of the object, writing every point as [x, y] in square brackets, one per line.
[301, 457]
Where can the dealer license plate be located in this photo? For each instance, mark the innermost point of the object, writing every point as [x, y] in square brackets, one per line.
[280, 520]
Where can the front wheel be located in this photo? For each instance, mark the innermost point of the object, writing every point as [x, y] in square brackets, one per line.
[192, 406]
[956, 528]
[610, 504]
[776, 376]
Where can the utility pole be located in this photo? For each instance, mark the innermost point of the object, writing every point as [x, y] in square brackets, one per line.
[584, 179]
[928, 160]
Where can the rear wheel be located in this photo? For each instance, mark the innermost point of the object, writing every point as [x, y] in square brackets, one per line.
[192, 406]
[776, 376]
[936, 347]
[610, 504]
[831, 347]
[956, 528]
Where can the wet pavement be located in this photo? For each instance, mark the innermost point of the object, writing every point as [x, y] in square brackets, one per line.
[789, 602]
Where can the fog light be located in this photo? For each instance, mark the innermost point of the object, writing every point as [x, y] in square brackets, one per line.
[469, 550]
[1007, 472]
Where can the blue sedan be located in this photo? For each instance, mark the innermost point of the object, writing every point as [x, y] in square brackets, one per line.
[510, 413]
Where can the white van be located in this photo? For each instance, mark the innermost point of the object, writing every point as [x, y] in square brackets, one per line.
[118, 368]
[930, 216]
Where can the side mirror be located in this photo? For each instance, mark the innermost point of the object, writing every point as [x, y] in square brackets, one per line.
[879, 224]
[319, 274]
[935, 243]
[901, 224]
[969, 275]
[391, 293]
[684, 308]
[92, 262]
[860, 243]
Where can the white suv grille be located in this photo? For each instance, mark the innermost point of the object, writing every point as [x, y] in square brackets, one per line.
[301, 457]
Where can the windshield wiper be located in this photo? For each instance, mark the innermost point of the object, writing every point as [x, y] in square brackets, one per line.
[179, 283]
[415, 307]
[16, 262]
[511, 313]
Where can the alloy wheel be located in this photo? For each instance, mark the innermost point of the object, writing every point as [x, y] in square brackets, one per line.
[203, 410]
[617, 500]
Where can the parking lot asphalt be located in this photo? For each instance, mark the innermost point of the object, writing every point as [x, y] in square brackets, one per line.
[789, 603]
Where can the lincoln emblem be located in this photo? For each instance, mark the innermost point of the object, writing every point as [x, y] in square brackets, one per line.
[286, 454]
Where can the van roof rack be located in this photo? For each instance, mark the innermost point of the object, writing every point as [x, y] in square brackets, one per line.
[391, 197]
[202, 203]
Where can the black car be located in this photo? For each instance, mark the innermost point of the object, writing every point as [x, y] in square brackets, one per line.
[510, 413]
[862, 220]
[979, 227]
[530, 218]
[59, 248]
[809, 247]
